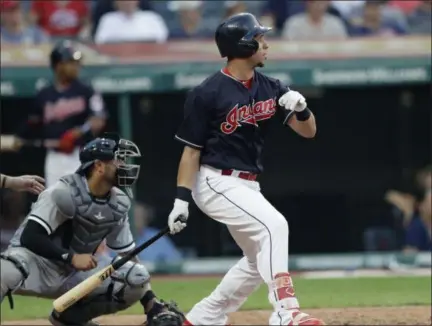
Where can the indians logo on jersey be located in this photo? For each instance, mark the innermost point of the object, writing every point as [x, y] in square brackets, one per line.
[63, 109]
[250, 114]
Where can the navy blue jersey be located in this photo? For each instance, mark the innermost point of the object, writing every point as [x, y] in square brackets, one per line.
[60, 111]
[227, 121]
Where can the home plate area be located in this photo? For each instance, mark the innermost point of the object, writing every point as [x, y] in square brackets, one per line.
[409, 315]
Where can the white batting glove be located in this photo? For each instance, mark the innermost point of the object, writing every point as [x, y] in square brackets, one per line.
[180, 210]
[293, 101]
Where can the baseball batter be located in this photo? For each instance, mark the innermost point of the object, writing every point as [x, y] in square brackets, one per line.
[225, 120]
[67, 110]
[53, 250]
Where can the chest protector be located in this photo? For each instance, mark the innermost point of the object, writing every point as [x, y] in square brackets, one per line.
[93, 220]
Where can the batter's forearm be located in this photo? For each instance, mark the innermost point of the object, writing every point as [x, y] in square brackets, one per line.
[96, 124]
[91, 127]
[188, 167]
[306, 128]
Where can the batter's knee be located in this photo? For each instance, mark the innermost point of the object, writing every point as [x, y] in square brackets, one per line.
[14, 271]
[130, 282]
[279, 227]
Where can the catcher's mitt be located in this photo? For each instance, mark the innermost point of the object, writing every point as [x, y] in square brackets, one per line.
[171, 316]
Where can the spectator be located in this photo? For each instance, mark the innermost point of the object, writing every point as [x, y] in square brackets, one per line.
[389, 15]
[131, 24]
[402, 200]
[419, 230]
[372, 23]
[162, 250]
[346, 7]
[102, 7]
[62, 18]
[13, 27]
[424, 178]
[314, 24]
[405, 6]
[234, 7]
[190, 21]
[420, 20]
[276, 12]
[391, 217]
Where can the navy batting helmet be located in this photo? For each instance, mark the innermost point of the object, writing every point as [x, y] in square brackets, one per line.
[64, 51]
[112, 147]
[235, 37]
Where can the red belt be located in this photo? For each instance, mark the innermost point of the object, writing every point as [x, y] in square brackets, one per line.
[242, 175]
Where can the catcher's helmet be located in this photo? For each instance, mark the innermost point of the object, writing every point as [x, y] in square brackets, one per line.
[112, 147]
[235, 36]
[64, 51]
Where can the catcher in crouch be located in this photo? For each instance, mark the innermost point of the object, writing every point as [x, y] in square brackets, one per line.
[53, 249]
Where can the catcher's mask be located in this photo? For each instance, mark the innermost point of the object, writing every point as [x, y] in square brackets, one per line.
[121, 151]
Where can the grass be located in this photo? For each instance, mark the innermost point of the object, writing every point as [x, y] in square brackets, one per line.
[312, 293]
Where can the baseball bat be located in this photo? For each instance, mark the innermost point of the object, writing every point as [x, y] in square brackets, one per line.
[88, 285]
[47, 143]
[14, 143]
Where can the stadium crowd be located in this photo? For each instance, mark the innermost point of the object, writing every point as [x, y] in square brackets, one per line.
[110, 21]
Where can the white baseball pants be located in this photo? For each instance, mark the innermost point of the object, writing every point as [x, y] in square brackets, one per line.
[261, 232]
[59, 164]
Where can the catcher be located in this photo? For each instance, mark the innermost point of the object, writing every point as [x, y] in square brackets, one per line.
[54, 248]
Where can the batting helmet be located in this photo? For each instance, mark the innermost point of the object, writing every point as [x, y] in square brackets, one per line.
[235, 37]
[64, 51]
[112, 147]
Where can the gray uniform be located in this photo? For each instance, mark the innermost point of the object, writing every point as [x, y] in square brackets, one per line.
[76, 221]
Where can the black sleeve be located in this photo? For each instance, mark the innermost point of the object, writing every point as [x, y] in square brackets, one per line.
[194, 128]
[36, 239]
[281, 89]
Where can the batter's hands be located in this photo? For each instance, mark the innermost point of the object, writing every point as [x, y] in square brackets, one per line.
[83, 262]
[30, 183]
[293, 101]
[68, 140]
[181, 209]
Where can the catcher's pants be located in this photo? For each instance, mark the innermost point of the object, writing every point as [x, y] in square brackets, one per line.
[261, 232]
[58, 164]
[47, 279]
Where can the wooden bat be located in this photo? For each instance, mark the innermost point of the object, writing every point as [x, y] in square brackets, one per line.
[88, 285]
[14, 143]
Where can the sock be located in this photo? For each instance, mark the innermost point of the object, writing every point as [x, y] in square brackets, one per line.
[148, 296]
[281, 292]
[156, 308]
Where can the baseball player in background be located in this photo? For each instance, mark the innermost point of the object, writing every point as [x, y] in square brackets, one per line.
[67, 111]
[53, 249]
[30, 183]
[225, 120]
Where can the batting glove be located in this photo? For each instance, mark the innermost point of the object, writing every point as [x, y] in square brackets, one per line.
[68, 141]
[293, 101]
[181, 209]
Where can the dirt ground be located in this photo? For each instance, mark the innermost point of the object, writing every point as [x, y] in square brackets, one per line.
[348, 316]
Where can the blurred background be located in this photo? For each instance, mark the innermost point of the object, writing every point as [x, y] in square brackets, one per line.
[362, 186]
